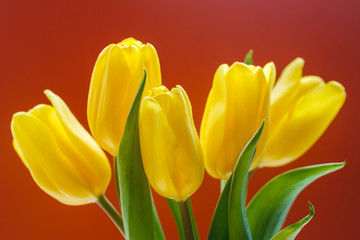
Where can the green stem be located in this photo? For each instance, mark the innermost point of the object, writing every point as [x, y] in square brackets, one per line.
[222, 185]
[116, 178]
[185, 216]
[113, 214]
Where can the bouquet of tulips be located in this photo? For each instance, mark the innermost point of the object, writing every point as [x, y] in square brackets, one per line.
[249, 122]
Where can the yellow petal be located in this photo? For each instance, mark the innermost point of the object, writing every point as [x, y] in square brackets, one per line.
[158, 147]
[131, 41]
[50, 169]
[301, 128]
[270, 74]
[190, 152]
[245, 94]
[18, 151]
[147, 59]
[157, 91]
[107, 110]
[213, 123]
[288, 80]
[284, 93]
[85, 154]
[172, 151]
[114, 83]
[150, 61]
[131, 54]
[309, 83]
[188, 159]
[237, 104]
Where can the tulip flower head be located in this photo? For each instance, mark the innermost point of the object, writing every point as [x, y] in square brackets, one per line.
[170, 146]
[301, 110]
[114, 83]
[236, 106]
[62, 157]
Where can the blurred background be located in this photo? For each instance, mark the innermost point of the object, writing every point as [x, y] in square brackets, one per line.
[54, 45]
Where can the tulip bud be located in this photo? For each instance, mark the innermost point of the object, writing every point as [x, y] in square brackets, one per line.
[236, 106]
[62, 157]
[170, 147]
[301, 110]
[114, 82]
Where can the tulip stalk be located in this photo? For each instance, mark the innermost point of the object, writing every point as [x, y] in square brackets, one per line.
[222, 185]
[111, 211]
[185, 216]
[116, 176]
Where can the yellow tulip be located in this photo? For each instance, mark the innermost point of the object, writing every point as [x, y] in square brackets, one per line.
[114, 83]
[170, 147]
[301, 110]
[236, 106]
[62, 157]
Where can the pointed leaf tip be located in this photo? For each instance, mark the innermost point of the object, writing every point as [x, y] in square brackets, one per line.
[229, 219]
[249, 57]
[237, 218]
[267, 210]
[290, 232]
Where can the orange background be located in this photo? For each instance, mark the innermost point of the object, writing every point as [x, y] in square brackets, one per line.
[54, 45]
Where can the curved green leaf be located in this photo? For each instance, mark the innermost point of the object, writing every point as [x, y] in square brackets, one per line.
[237, 220]
[158, 231]
[268, 209]
[193, 222]
[174, 207]
[233, 195]
[290, 232]
[219, 224]
[136, 202]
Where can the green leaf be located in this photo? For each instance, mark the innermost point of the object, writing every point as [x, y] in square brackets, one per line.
[290, 232]
[158, 231]
[249, 57]
[219, 224]
[268, 209]
[230, 212]
[193, 222]
[136, 202]
[237, 220]
[174, 207]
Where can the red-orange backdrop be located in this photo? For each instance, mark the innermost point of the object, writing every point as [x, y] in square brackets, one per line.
[54, 44]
